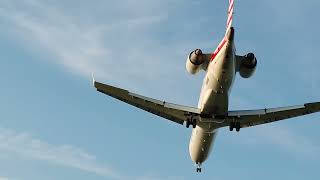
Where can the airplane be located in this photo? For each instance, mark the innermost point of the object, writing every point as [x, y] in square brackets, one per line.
[212, 112]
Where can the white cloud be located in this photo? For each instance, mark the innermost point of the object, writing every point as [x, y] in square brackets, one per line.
[66, 155]
[27, 146]
[84, 47]
[72, 45]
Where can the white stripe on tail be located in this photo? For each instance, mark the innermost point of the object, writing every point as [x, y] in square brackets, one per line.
[230, 14]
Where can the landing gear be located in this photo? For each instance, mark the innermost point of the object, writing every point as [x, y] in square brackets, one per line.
[199, 170]
[231, 126]
[192, 122]
[235, 125]
[238, 126]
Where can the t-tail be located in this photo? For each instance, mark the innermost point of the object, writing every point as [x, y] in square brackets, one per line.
[230, 15]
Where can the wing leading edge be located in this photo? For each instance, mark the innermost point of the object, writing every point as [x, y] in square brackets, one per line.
[170, 111]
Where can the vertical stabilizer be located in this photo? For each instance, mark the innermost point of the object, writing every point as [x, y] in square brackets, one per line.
[230, 15]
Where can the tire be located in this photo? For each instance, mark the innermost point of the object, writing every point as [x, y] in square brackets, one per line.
[194, 123]
[231, 126]
[238, 126]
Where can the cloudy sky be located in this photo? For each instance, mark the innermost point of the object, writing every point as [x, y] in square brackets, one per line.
[54, 125]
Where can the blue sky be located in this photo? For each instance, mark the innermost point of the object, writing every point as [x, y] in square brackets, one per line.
[54, 125]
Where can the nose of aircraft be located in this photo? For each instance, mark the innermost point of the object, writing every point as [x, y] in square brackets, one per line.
[200, 145]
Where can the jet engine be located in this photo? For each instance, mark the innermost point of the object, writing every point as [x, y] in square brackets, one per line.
[248, 65]
[194, 61]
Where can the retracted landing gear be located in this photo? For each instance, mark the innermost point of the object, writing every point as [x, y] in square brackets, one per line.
[235, 125]
[192, 122]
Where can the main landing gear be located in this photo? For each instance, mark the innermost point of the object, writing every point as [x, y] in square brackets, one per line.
[235, 125]
[192, 122]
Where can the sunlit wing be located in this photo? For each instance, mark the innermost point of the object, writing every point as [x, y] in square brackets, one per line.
[248, 118]
[173, 112]
[180, 114]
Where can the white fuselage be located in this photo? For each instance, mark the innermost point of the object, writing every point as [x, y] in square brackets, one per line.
[214, 97]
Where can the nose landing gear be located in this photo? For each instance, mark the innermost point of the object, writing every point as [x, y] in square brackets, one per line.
[198, 168]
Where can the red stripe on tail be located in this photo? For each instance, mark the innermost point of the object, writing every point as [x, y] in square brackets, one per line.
[230, 14]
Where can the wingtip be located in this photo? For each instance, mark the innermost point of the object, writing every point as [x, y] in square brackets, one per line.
[93, 80]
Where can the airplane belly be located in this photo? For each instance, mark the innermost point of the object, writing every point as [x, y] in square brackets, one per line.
[215, 95]
[214, 102]
[217, 83]
[201, 143]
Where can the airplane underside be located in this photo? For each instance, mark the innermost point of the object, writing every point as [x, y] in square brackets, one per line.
[215, 94]
[213, 111]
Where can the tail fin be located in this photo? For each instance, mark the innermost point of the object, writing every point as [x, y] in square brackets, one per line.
[230, 14]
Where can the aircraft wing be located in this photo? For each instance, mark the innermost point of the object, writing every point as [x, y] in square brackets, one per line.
[248, 118]
[180, 114]
[173, 112]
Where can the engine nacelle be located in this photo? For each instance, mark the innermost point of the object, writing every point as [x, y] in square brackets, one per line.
[248, 65]
[194, 61]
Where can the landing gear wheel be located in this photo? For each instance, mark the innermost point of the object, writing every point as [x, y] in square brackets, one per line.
[231, 126]
[188, 124]
[198, 169]
[194, 123]
[238, 126]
